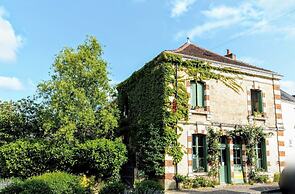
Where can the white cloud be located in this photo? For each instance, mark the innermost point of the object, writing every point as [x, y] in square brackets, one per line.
[180, 6]
[9, 40]
[288, 86]
[251, 16]
[10, 83]
[206, 27]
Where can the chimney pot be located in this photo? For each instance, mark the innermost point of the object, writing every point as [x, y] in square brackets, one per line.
[230, 55]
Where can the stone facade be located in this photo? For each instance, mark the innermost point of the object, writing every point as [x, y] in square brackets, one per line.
[225, 110]
[258, 103]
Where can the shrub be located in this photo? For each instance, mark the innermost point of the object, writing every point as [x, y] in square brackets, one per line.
[202, 182]
[258, 177]
[23, 159]
[180, 178]
[114, 188]
[276, 177]
[101, 157]
[197, 182]
[149, 186]
[62, 157]
[14, 187]
[48, 183]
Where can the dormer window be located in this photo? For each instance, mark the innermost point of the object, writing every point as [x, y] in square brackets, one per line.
[197, 98]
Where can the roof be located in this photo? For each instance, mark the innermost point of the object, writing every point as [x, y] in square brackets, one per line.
[191, 50]
[287, 97]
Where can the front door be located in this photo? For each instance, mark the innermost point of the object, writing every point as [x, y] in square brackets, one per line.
[224, 162]
[238, 167]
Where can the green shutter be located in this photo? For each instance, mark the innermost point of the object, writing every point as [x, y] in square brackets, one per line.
[193, 94]
[200, 94]
[260, 105]
[264, 158]
[206, 154]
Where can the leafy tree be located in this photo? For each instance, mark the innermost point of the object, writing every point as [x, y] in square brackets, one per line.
[21, 119]
[79, 94]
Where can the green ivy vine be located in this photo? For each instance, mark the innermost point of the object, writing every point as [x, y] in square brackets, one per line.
[155, 103]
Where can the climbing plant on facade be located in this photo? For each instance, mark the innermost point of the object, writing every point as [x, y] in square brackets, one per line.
[213, 139]
[153, 97]
[250, 135]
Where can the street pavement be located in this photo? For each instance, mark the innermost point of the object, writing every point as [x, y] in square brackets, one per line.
[233, 189]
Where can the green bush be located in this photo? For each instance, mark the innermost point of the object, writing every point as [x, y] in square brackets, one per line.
[114, 188]
[202, 182]
[276, 177]
[197, 182]
[180, 178]
[101, 157]
[258, 177]
[23, 159]
[14, 187]
[149, 186]
[48, 183]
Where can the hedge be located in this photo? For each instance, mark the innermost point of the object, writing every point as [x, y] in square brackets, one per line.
[101, 157]
[48, 183]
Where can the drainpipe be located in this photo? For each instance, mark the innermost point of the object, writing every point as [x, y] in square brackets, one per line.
[176, 96]
[277, 127]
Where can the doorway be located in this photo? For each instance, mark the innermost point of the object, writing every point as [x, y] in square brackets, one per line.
[224, 171]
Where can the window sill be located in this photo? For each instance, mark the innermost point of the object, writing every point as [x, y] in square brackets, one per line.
[258, 118]
[199, 174]
[200, 111]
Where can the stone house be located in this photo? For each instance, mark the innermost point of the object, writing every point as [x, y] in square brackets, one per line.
[213, 104]
[288, 111]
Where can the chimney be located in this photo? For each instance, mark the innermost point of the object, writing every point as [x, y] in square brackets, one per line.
[230, 55]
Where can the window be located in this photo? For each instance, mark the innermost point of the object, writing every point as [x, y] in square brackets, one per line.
[256, 101]
[261, 155]
[197, 94]
[237, 151]
[125, 107]
[199, 153]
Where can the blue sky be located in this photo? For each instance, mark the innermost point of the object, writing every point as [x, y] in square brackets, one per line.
[132, 32]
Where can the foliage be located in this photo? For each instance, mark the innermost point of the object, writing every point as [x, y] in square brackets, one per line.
[150, 96]
[180, 178]
[258, 177]
[276, 177]
[199, 181]
[149, 186]
[78, 95]
[250, 135]
[48, 183]
[101, 157]
[21, 119]
[213, 139]
[23, 159]
[114, 188]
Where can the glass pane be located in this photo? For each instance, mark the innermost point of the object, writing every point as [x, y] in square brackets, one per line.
[193, 91]
[194, 151]
[201, 140]
[201, 151]
[194, 140]
[200, 94]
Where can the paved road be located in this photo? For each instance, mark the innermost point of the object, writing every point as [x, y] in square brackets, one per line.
[232, 189]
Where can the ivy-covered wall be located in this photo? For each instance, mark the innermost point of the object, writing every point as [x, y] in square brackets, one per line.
[149, 114]
[152, 101]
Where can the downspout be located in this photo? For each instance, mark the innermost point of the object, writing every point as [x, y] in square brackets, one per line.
[277, 127]
[176, 96]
